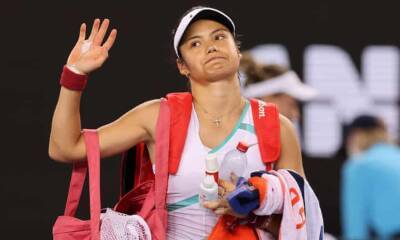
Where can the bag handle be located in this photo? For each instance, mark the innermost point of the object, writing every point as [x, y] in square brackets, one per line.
[75, 188]
[78, 178]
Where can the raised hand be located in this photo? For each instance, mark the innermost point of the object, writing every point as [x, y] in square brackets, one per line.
[90, 54]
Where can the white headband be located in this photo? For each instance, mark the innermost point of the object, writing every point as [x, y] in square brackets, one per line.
[288, 83]
[187, 19]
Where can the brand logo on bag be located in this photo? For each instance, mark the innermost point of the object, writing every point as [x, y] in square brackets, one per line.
[261, 109]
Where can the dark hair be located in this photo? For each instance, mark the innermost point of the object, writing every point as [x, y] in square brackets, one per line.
[366, 122]
[256, 72]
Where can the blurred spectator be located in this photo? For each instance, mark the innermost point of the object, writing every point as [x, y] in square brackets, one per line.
[276, 84]
[370, 182]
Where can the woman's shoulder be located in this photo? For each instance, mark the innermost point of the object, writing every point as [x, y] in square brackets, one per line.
[150, 106]
[286, 124]
[147, 111]
[145, 115]
[288, 132]
[290, 157]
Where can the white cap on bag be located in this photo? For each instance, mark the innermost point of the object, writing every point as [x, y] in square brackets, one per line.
[201, 13]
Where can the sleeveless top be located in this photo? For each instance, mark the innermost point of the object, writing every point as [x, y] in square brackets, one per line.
[187, 219]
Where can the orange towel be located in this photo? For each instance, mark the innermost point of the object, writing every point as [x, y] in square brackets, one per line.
[221, 231]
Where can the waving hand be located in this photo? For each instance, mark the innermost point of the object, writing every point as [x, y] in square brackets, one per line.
[90, 54]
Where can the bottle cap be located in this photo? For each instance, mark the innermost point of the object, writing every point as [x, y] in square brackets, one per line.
[208, 181]
[211, 163]
[242, 146]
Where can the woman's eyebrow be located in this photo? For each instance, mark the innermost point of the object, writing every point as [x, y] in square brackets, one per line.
[192, 37]
[219, 29]
[213, 32]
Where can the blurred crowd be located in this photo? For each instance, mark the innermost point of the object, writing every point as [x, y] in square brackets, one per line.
[369, 178]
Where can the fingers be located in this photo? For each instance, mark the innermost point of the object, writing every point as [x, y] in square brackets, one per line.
[82, 33]
[98, 39]
[221, 203]
[221, 191]
[211, 204]
[220, 207]
[110, 40]
[95, 29]
[223, 183]
[97, 34]
[229, 187]
[234, 178]
[222, 211]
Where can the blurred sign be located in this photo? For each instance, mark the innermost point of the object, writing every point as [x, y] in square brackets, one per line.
[345, 91]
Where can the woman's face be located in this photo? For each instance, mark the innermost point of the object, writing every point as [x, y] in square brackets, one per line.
[209, 52]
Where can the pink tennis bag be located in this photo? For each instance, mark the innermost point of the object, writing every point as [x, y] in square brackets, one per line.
[147, 198]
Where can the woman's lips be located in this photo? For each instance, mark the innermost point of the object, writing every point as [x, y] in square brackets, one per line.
[214, 58]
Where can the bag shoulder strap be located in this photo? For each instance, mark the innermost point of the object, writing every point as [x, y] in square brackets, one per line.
[180, 110]
[267, 127]
[162, 150]
[136, 166]
[154, 205]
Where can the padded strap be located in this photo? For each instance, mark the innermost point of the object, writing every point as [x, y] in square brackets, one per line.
[180, 110]
[267, 127]
[162, 147]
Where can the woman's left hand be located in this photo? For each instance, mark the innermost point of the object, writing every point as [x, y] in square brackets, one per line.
[221, 206]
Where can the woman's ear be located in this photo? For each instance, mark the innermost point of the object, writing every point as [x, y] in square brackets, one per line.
[183, 70]
[239, 52]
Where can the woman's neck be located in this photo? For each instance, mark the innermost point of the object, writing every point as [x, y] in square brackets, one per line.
[218, 97]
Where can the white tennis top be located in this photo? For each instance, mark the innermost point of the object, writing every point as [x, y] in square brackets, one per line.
[186, 218]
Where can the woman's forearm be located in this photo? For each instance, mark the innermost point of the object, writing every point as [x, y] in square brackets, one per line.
[66, 127]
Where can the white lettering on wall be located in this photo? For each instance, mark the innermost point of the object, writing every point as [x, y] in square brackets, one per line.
[345, 91]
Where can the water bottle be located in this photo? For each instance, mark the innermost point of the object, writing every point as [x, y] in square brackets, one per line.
[208, 190]
[235, 161]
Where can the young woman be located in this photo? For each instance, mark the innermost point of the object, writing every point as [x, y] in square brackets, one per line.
[207, 54]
